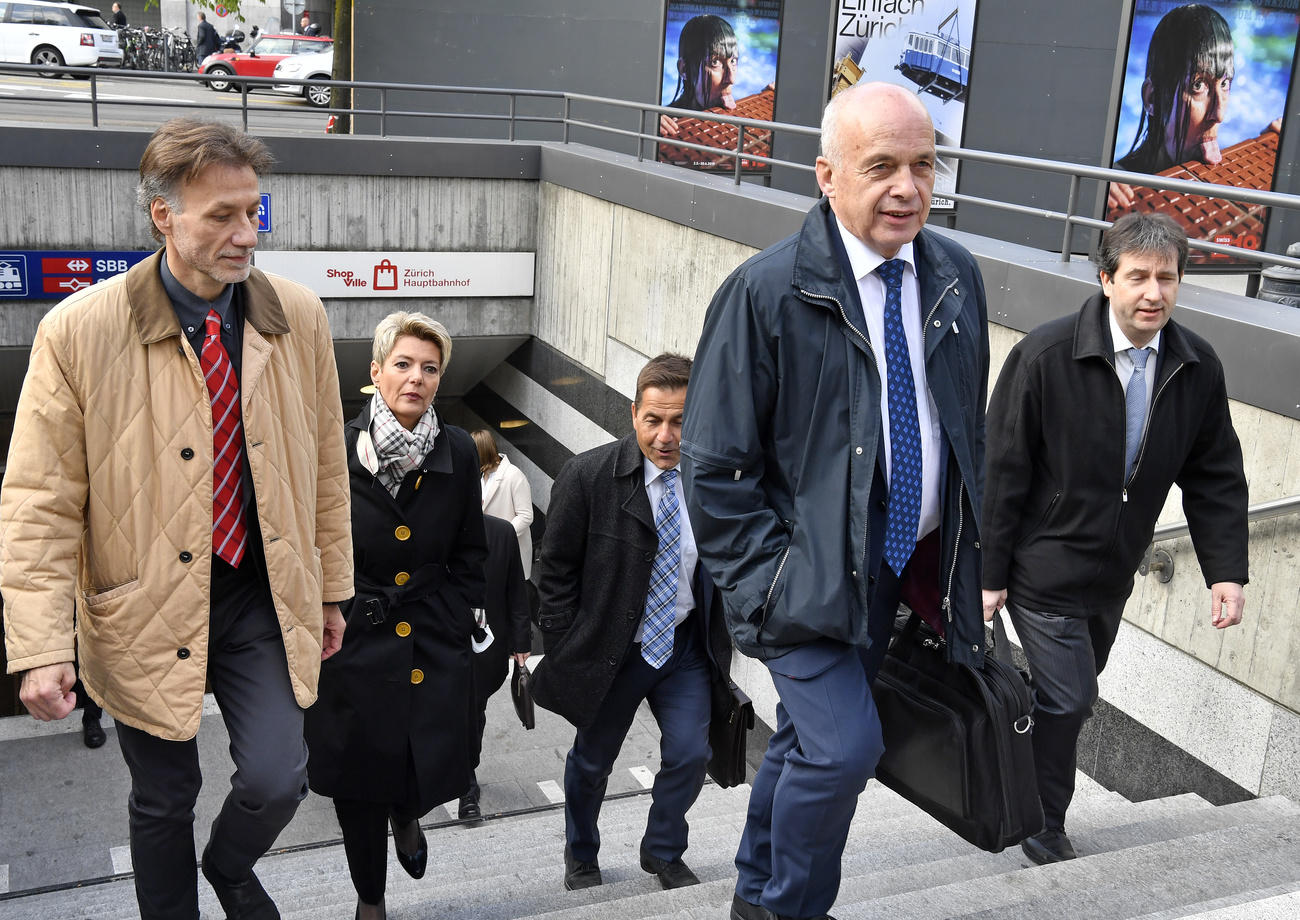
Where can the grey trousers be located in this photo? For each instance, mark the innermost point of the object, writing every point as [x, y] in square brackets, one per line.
[1066, 654]
[250, 678]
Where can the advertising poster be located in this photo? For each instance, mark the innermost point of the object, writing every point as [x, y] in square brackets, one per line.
[720, 57]
[922, 46]
[1204, 95]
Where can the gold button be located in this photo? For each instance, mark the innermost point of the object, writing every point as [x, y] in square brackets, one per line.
[402, 578]
[403, 629]
[402, 533]
[417, 676]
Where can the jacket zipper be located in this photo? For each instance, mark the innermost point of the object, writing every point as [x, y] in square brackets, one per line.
[956, 546]
[1142, 448]
[771, 589]
[866, 528]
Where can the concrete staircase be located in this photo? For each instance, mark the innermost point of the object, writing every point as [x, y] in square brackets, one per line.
[1155, 860]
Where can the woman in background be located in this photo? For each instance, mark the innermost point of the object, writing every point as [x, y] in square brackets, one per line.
[506, 494]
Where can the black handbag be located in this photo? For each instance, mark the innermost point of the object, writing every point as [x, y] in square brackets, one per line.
[521, 691]
[729, 727]
[958, 738]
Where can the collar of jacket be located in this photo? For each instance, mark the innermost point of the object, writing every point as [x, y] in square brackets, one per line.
[437, 460]
[155, 318]
[817, 270]
[1092, 338]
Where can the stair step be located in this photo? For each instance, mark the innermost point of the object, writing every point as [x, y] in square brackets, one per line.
[1277, 902]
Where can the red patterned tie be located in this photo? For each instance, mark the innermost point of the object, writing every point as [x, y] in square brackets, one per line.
[229, 535]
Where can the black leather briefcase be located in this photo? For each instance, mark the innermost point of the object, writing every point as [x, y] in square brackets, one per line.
[957, 738]
[729, 727]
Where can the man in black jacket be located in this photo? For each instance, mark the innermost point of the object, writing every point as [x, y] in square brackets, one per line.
[627, 615]
[1093, 418]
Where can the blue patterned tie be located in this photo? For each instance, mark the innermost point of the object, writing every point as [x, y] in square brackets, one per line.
[661, 601]
[1135, 407]
[904, 427]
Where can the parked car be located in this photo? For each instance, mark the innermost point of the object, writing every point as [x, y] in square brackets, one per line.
[307, 67]
[56, 34]
[260, 59]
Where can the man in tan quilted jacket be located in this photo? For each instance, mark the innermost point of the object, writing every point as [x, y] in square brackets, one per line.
[177, 477]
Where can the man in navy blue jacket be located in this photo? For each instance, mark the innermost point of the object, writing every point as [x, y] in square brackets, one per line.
[847, 359]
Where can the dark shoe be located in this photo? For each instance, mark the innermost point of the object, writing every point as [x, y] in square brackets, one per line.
[371, 911]
[243, 900]
[744, 910]
[580, 874]
[675, 874]
[469, 812]
[413, 863]
[92, 733]
[1048, 847]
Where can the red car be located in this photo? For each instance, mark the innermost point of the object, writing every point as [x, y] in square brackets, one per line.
[260, 59]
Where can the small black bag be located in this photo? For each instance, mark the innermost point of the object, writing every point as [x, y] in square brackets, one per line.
[521, 691]
[729, 728]
[957, 738]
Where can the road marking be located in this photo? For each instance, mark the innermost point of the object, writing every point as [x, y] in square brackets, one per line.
[121, 857]
[551, 789]
[643, 776]
[4, 878]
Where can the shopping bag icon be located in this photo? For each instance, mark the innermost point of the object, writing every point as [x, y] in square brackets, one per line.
[385, 276]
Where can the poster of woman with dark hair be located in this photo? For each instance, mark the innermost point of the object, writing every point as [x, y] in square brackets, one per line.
[1204, 90]
[720, 58]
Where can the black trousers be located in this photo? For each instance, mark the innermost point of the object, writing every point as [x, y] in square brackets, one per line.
[250, 678]
[1066, 654]
[365, 841]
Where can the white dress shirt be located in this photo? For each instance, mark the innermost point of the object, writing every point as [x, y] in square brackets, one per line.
[654, 488]
[871, 291]
[1124, 362]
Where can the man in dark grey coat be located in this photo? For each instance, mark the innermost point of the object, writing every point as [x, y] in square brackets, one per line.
[627, 615]
[1094, 417]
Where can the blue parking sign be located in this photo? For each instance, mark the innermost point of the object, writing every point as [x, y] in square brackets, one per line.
[264, 214]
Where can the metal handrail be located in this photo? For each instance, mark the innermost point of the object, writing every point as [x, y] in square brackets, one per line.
[1264, 511]
[566, 121]
[1160, 562]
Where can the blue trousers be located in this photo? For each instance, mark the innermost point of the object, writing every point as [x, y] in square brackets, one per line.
[678, 694]
[825, 747]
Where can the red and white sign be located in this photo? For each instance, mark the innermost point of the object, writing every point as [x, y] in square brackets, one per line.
[405, 274]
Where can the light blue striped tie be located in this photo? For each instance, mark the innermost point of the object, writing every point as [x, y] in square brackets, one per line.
[661, 600]
[1135, 407]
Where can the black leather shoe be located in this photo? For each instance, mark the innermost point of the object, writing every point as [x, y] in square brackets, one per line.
[744, 910]
[92, 733]
[580, 874]
[243, 900]
[675, 874]
[469, 812]
[414, 863]
[1048, 847]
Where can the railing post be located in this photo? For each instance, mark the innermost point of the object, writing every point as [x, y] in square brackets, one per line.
[94, 100]
[740, 150]
[566, 118]
[640, 141]
[243, 95]
[383, 111]
[512, 116]
[1067, 242]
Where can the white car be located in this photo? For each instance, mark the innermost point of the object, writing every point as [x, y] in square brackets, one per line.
[56, 34]
[315, 66]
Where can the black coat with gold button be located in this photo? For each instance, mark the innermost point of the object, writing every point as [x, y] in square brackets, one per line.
[400, 692]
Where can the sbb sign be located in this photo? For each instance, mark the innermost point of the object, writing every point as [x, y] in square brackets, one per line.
[406, 274]
[46, 275]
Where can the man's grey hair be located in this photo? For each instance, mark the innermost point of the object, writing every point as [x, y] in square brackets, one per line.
[1141, 233]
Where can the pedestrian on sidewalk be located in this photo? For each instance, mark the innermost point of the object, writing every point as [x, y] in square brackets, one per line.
[177, 472]
[627, 615]
[1094, 416]
[390, 735]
